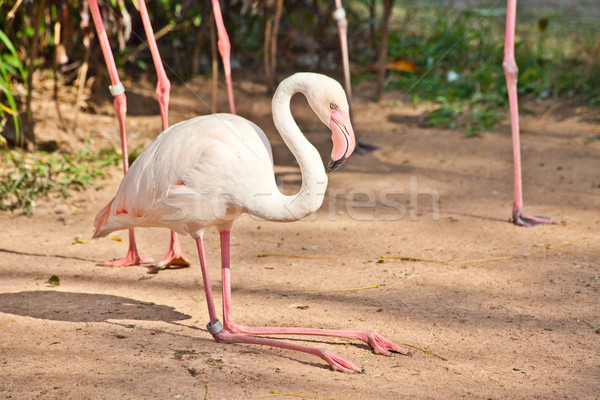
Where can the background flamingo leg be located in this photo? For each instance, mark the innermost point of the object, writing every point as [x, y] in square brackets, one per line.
[133, 256]
[342, 24]
[378, 343]
[174, 256]
[511, 71]
[225, 51]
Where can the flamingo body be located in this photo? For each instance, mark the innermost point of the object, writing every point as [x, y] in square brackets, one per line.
[206, 171]
[196, 174]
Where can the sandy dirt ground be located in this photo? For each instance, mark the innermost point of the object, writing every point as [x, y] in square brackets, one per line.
[504, 312]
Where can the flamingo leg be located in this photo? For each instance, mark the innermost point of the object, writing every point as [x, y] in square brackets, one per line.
[225, 51]
[206, 281]
[342, 24]
[174, 256]
[511, 71]
[133, 256]
[379, 344]
[223, 335]
[163, 85]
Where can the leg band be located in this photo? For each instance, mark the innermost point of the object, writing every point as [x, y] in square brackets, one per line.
[117, 89]
[339, 13]
[215, 328]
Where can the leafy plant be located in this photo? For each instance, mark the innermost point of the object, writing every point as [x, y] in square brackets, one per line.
[11, 67]
[459, 58]
[31, 176]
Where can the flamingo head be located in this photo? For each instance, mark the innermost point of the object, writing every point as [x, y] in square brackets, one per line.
[328, 99]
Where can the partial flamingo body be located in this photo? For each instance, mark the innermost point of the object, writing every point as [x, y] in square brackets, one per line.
[206, 171]
[175, 255]
[133, 256]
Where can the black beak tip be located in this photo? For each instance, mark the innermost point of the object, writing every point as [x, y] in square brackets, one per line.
[333, 165]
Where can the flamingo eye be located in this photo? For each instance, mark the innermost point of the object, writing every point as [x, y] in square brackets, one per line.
[333, 106]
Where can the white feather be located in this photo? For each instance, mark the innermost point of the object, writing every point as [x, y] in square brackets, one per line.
[208, 170]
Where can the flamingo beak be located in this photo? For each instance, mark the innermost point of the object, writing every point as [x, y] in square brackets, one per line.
[343, 139]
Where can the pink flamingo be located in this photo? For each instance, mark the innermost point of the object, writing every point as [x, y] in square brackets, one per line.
[510, 71]
[208, 170]
[175, 256]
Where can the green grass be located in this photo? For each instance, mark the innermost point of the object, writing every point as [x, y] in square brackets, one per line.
[28, 177]
[11, 68]
[556, 58]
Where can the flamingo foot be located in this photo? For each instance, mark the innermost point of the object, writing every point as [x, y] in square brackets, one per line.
[338, 363]
[174, 258]
[523, 220]
[129, 260]
[384, 346]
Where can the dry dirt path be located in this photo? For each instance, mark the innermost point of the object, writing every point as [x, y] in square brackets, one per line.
[523, 325]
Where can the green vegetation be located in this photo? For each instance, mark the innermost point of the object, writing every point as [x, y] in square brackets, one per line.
[11, 68]
[442, 55]
[28, 177]
[459, 63]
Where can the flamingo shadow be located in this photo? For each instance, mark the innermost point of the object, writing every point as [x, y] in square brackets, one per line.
[84, 307]
[25, 253]
[92, 307]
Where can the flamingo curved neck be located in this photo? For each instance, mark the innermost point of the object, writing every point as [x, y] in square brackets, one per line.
[314, 179]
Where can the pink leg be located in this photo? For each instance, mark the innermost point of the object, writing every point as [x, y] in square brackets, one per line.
[342, 22]
[379, 344]
[336, 362]
[133, 257]
[120, 103]
[225, 50]
[163, 85]
[222, 335]
[175, 255]
[206, 281]
[510, 71]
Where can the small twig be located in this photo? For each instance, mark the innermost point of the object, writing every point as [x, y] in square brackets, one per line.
[295, 256]
[449, 261]
[83, 69]
[344, 290]
[276, 393]
[206, 386]
[192, 371]
[412, 259]
[549, 111]
[12, 12]
[144, 45]
[584, 321]
[425, 351]
[481, 260]
[565, 243]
